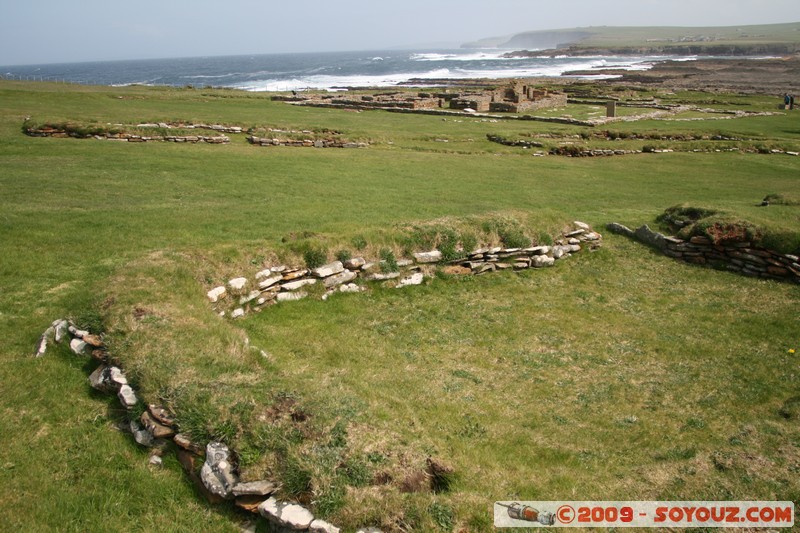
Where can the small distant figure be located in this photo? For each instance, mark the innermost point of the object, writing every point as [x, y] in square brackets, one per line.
[791, 101]
[294, 93]
[787, 100]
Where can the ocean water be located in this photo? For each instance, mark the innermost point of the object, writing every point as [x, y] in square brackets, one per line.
[328, 70]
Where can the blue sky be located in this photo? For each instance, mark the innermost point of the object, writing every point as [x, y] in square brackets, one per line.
[53, 31]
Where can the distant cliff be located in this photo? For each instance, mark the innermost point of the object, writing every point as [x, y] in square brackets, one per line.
[674, 50]
[532, 40]
[769, 39]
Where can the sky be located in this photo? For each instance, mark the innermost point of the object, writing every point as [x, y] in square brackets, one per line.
[64, 31]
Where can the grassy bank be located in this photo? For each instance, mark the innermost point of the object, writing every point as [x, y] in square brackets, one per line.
[618, 374]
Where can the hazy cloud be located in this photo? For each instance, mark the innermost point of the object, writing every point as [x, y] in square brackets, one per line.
[50, 31]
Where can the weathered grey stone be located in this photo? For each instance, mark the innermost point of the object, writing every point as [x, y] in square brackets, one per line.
[41, 346]
[402, 263]
[574, 248]
[558, 252]
[380, 276]
[269, 282]
[614, 227]
[249, 297]
[434, 256]
[294, 285]
[101, 379]
[540, 261]
[117, 377]
[342, 277]
[140, 434]
[650, 237]
[538, 250]
[581, 225]
[254, 488]
[237, 284]
[355, 263]
[60, 330]
[328, 270]
[78, 346]
[97, 379]
[573, 240]
[291, 296]
[321, 526]
[237, 313]
[278, 269]
[217, 473]
[288, 515]
[591, 236]
[414, 279]
[156, 460]
[214, 295]
[127, 396]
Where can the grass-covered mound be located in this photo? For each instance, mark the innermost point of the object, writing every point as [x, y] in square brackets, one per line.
[723, 228]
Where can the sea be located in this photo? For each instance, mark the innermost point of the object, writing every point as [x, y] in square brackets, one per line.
[327, 70]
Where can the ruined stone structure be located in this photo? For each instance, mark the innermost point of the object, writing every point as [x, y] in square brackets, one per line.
[516, 97]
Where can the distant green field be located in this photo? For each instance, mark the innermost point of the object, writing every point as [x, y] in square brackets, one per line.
[619, 374]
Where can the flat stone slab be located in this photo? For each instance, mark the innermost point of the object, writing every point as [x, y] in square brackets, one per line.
[345, 276]
[269, 281]
[291, 296]
[415, 279]
[254, 488]
[434, 256]
[379, 276]
[321, 526]
[541, 261]
[294, 285]
[288, 515]
[328, 270]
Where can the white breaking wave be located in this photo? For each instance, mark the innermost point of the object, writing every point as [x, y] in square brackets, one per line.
[474, 56]
[554, 67]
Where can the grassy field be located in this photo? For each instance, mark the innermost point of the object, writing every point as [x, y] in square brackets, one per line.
[619, 374]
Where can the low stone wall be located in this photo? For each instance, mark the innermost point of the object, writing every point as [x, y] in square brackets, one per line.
[129, 137]
[309, 143]
[740, 257]
[277, 284]
[211, 468]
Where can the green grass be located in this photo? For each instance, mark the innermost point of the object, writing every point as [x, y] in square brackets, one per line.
[619, 374]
